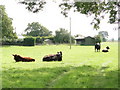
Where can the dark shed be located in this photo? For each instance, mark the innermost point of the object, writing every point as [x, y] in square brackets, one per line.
[85, 40]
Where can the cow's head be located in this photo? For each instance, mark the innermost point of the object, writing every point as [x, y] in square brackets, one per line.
[61, 53]
[107, 47]
[17, 57]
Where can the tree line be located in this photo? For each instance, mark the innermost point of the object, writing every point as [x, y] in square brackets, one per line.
[35, 29]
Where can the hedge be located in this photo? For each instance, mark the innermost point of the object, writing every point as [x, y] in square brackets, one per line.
[39, 40]
[29, 41]
[12, 42]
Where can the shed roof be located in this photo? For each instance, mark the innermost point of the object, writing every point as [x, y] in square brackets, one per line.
[80, 37]
[47, 40]
[89, 37]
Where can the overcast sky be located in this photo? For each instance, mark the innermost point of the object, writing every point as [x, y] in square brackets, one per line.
[52, 19]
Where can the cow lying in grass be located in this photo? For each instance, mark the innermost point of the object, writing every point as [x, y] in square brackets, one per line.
[54, 57]
[18, 58]
[97, 47]
[106, 49]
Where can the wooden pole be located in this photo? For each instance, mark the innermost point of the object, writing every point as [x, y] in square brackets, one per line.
[0, 27]
[70, 32]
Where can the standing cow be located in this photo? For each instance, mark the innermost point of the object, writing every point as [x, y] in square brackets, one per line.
[97, 47]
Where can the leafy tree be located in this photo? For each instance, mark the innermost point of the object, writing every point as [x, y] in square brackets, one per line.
[36, 29]
[97, 39]
[6, 27]
[112, 40]
[104, 35]
[98, 9]
[62, 36]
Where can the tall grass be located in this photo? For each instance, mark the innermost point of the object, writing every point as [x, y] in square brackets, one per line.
[81, 67]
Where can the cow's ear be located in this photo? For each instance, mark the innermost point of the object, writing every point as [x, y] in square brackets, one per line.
[13, 55]
[61, 52]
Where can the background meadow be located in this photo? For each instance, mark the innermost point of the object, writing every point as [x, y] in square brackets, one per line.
[81, 67]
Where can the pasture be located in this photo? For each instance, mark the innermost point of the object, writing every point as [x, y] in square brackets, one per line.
[81, 67]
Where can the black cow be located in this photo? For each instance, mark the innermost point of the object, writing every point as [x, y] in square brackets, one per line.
[53, 57]
[106, 49]
[97, 47]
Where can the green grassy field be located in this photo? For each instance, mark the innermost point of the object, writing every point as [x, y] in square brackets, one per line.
[81, 67]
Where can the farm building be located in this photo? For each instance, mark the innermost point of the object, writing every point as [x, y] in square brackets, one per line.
[48, 41]
[20, 37]
[85, 40]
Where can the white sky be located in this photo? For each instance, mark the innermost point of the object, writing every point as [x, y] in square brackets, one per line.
[51, 18]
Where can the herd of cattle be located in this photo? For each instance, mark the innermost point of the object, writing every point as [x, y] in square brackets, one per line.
[98, 47]
[54, 57]
[51, 57]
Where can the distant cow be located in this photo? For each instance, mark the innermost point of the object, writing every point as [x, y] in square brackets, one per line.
[97, 47]
[106, 49]
[18, 58]
[53, 57]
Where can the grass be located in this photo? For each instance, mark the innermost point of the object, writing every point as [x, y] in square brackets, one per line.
[81, 67]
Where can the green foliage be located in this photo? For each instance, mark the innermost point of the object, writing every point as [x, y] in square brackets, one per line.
[35, 29]
[62, 36]
[29, 41]
[34, 6]
[6, 41]
[81, 67]
[6, 25]
[103, 35]
[98, 39]
[98, 9]
[112, 40]
[39, 40]
[19, 42]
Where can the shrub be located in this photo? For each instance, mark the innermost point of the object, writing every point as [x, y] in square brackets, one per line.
[12, 42]
[39, 40]
[19, 42]
[29, 41]
[8, 41]
[97, 39]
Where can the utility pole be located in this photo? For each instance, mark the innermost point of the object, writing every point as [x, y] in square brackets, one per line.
[70, 23]
[70, 33]
[0, 46]
[0, 27]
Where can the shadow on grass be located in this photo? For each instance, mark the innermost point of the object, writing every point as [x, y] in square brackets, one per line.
[61, 77]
